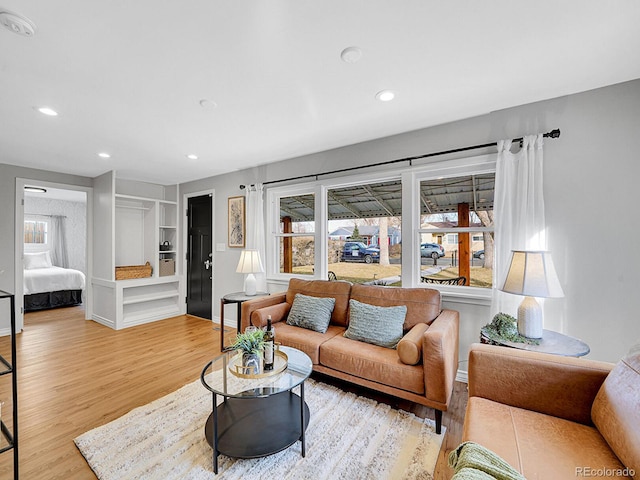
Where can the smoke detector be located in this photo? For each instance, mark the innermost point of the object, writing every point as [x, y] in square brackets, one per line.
[17, 24]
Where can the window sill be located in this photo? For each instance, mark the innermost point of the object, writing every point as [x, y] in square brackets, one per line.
[465, 295]
[469, 296]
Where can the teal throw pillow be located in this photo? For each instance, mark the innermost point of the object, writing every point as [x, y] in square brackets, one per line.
[313, 313]
[377, 325]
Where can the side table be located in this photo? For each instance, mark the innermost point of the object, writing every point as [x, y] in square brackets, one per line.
[239, 298]
[551, 342]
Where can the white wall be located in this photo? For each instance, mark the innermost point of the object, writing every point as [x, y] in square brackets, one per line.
[75, 225]
[590, 172]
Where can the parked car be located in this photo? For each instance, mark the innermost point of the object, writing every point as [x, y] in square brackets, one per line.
[479, 254]
[359, 252]
[432, 250]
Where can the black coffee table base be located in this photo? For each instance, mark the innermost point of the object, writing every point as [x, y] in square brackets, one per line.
[257, 427]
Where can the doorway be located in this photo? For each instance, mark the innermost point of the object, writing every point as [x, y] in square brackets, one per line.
[199, 256]
[53, 221]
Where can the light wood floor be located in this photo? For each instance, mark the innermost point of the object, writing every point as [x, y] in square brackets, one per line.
[75, 375]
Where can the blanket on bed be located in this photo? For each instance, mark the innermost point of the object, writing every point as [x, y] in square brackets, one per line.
[52, 279]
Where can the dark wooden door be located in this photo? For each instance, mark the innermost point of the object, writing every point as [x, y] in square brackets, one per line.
[199, 256]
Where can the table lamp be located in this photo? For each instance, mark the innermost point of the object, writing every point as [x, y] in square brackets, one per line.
[532, 274]
[250, 263]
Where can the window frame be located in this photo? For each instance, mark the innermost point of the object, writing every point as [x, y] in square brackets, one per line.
[410, 178]
[37, 247]
[274, 194]
[476, 165]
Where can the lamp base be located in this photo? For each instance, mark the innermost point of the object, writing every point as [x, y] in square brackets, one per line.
[530, 318]
[250, 284]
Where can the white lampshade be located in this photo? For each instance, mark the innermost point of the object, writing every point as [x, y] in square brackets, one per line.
[532, 274]
[250, 263]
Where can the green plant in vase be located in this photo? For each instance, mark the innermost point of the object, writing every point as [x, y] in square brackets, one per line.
[250, 344]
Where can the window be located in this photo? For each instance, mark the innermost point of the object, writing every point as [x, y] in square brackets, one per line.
[365, 232]
[336, 226]
[35, 231]
[458, 209]
[296, 234]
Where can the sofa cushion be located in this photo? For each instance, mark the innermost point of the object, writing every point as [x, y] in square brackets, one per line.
[372, 362]
[324, 288]
[277, 312]
[305, 340]
[410, 346]
[423, 304]
[616, 409]
[313, 313]
[376, 325]
[535, 444]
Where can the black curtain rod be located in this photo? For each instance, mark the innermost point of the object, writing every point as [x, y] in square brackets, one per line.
[552, 134]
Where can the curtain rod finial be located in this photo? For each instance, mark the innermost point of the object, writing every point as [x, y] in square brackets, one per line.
[554, 133]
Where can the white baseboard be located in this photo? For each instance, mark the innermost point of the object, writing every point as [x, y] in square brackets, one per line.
[103, 321]
[5, 332]
[462, 376]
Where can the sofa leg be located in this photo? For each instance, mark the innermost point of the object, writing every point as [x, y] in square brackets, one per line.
[438, 421]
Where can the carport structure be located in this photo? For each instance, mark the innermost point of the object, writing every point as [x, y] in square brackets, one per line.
[460, 195]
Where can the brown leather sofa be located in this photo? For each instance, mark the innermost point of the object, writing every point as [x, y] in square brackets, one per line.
[429, 348]
[555, 417]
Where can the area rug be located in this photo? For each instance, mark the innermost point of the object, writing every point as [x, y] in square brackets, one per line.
[348, 437]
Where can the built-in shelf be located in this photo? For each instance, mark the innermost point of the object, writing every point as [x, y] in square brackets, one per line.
[145, 221]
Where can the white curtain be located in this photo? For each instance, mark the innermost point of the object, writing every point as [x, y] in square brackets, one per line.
[519, 212]
[59, 255]
[255, 229]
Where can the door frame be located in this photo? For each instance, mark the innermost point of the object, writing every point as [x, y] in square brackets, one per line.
[19, 247]
[185, 240]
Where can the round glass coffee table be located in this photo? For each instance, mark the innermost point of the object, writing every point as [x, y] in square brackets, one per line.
[257, 416]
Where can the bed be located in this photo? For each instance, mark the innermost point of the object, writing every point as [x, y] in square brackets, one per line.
[47, 286]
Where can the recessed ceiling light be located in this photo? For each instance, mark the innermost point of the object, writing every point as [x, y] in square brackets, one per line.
[35, 189]
[351, 54]
[208, 104]
[385, 95]
[104, 155]
[192, 156]
[47, 111]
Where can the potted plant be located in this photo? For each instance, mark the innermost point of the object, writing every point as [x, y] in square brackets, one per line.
[250, 344]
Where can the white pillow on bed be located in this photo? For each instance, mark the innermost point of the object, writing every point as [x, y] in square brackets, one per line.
[37, 260]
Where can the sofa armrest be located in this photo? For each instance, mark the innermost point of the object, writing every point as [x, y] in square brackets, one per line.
[440, 356]
[563, 387]
[250, 306]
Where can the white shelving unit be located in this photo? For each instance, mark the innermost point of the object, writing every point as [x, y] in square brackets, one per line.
[143, 217]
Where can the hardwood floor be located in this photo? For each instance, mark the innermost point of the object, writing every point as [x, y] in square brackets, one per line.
[75, 375]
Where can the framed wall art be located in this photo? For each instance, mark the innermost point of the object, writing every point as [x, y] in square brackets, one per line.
[236, 219]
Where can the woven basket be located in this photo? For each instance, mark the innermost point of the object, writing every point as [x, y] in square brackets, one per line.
[133, 271]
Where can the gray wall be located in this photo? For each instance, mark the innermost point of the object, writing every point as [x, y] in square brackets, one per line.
[8, 175]
[590, 173]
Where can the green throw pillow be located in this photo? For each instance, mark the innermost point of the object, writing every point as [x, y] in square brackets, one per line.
[377, 325]
[313, 313]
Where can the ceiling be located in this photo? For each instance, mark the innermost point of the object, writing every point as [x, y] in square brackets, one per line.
[128, 78]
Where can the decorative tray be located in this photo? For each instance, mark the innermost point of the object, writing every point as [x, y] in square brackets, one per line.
[280, 362]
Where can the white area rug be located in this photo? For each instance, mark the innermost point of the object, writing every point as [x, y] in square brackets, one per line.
[348, 437]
